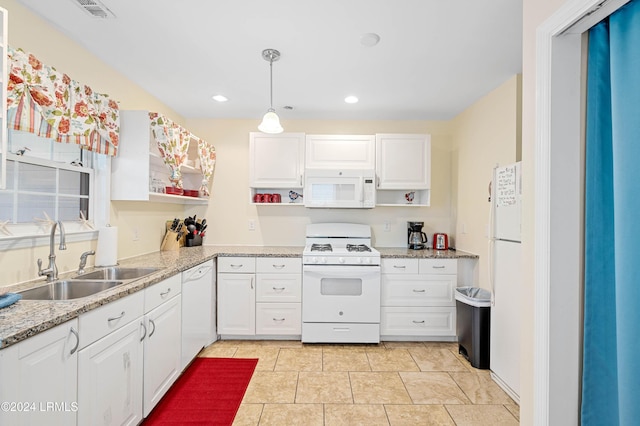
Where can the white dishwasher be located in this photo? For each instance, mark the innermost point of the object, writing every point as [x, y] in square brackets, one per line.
[198, 310]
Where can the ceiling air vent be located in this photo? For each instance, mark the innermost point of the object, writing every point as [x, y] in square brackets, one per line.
[95, 8]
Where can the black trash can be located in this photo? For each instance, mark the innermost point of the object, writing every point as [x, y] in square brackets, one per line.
[473, 324]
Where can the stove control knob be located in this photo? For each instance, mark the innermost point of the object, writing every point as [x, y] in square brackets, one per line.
[314, 260]
[367, 260]
[323, 260]
[360, 260]
[341, 260]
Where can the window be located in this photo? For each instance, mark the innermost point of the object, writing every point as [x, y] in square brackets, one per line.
[47, 180]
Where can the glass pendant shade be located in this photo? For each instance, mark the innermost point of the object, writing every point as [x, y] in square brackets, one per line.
[270, 123]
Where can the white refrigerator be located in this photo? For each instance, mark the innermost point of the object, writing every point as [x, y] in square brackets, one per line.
[506, 278]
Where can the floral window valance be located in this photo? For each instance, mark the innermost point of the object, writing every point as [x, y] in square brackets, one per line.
[207, 155]
[46, 102]
[173, 143]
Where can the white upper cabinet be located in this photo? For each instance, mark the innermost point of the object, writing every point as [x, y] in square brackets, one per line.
[403, 168]
[403, 161]
[138, 172]
[340, 152]
[276, 161]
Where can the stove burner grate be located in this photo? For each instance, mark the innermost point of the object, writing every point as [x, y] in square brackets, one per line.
[358, 247]
[321, 247]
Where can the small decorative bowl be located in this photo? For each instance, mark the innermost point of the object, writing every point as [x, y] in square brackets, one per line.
[172, 190]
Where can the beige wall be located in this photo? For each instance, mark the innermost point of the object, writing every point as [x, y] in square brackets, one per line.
[229, 210]
[484, 135]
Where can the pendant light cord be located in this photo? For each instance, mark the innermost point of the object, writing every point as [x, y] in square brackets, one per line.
[271, 81]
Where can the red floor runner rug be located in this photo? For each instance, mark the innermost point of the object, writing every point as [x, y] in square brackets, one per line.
[209, 392]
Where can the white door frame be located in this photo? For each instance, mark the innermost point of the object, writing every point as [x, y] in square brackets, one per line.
[559, 195]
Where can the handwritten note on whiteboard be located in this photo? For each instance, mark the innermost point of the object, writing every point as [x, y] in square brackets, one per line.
[506, 186]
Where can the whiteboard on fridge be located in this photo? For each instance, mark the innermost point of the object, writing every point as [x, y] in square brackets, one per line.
[507, 202]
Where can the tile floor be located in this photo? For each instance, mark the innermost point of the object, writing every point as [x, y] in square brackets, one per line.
[393, 383]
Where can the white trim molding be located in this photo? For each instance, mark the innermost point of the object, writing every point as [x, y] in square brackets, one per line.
[559, 210]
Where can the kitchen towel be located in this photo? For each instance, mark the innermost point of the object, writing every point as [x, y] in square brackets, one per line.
[107, 250]
[9, 299]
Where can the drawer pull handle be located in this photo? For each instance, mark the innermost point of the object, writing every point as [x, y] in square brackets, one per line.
[236, 266]
[418, 291]
[343, 329]
[418, 322]
[144, 327]
[400, 266]
[278, 266]
[154, 327]
[115, 318]
[165, 293]
[278, 319]
[75, 348]
[278, 289]
[438, 267]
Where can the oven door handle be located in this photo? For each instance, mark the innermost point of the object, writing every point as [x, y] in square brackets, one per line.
[341, 271]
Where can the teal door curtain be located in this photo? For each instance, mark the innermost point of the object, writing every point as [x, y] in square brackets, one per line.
[611, 357]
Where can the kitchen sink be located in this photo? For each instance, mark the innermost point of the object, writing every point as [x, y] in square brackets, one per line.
[117, 273]
[68, 289]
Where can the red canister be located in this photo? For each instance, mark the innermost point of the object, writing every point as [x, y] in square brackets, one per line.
[275, 198]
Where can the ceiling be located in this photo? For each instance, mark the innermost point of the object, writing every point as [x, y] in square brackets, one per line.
[434, 59]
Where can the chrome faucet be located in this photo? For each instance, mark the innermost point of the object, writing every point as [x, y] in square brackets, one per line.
[52, 271]
[83, 261]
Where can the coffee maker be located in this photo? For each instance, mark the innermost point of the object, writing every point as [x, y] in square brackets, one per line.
[416, 239]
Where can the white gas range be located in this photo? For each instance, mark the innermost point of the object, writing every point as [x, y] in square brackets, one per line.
[340, 285]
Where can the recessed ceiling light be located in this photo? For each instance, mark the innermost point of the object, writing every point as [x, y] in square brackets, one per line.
[220, 98]
[369, 39]
[351, 99]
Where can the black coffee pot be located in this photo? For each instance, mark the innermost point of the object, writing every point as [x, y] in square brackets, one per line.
[416, 239]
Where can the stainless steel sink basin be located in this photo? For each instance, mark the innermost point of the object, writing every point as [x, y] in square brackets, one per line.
[117, 273]
[68, 289]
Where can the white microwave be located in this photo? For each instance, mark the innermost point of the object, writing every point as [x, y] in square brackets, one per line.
[346, 188]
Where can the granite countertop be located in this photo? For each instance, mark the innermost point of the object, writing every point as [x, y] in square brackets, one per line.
[29, 317]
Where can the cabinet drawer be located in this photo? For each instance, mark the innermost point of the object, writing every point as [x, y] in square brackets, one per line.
[99, 322]
[399, 266]
[334, 332]
[413, 321]
[279, 265]
[278, 318]
[418, 290]
[159, 293]
[237, 264]
[438, 266]
[278, 287]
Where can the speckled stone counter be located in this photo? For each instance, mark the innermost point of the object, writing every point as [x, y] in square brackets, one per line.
[29, 317]
[398, 252]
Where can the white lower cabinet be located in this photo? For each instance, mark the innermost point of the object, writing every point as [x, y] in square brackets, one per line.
[110, 363]
[162, 344]
[259, 296]
[418, 299]
[236, 302]
[39, 383]
[110, 378]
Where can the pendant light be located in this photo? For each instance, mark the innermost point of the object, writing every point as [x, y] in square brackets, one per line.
[270, 121]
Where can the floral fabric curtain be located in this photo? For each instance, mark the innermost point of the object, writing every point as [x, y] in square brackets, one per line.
[173, 144]
[48, 103]
[207, 155]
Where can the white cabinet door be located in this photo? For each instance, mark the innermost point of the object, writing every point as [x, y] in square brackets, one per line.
[403, 161]
[340, 151]
[236, 304]
[41, 374]
[161, 351]
[276, 161]
[110, 378]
